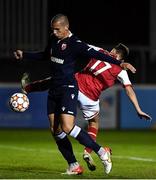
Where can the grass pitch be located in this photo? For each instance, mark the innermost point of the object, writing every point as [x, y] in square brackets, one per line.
[32, 154]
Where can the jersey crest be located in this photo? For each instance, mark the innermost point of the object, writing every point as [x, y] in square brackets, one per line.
[63, 46]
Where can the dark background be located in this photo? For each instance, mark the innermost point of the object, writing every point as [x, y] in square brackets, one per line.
[102, 23]
[106, 21]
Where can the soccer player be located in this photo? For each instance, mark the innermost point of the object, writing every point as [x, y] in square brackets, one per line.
[96, 77]
[62, 50]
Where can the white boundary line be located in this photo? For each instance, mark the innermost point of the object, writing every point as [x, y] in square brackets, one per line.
[135, 158]
[26, 149]
[55, 151]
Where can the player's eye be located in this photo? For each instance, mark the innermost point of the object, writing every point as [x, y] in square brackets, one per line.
[55, 29]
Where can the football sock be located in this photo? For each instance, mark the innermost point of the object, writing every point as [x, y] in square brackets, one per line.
[92, 131]
[84, 138]
[65, 147]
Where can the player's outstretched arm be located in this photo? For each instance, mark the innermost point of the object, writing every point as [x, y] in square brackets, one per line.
[128, 66]
[131, 94]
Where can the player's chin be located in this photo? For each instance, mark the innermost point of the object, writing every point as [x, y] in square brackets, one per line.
[60, 37]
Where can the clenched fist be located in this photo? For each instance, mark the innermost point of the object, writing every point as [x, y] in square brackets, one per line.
[18, 54]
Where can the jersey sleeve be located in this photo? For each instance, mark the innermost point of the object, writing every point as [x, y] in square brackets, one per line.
[90, 52]
[33, 55]
[123, 78]
[38, 55]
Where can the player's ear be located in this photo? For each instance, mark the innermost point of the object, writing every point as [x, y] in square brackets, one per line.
[66, 27]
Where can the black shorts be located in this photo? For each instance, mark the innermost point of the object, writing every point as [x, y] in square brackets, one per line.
[63, 100]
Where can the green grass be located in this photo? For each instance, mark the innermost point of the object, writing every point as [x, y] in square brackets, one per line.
[32, 154]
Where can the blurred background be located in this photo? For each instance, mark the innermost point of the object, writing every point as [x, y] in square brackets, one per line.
[25, 24]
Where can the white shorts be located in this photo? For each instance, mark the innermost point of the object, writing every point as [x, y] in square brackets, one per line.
[89, 107]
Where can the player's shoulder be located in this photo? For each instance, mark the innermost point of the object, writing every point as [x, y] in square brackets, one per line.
[78, 44]
[95, 47]
[78, 41]
[75, 39]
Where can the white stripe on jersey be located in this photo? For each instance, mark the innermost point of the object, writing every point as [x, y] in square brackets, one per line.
[95, 47]
[94, 65]
[123, 78]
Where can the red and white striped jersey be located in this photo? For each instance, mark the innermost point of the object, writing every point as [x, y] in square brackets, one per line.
[98, 76]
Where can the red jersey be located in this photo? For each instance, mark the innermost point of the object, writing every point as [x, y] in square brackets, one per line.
[98, 76]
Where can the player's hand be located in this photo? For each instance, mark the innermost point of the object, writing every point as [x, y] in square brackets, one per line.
[18, 54]
[128, 66]
[145, 116]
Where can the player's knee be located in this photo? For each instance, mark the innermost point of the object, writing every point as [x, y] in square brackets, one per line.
[67, 128]
[94, 122]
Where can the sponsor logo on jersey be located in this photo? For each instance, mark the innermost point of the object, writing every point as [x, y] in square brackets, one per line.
[57, 60]
[63, 46]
